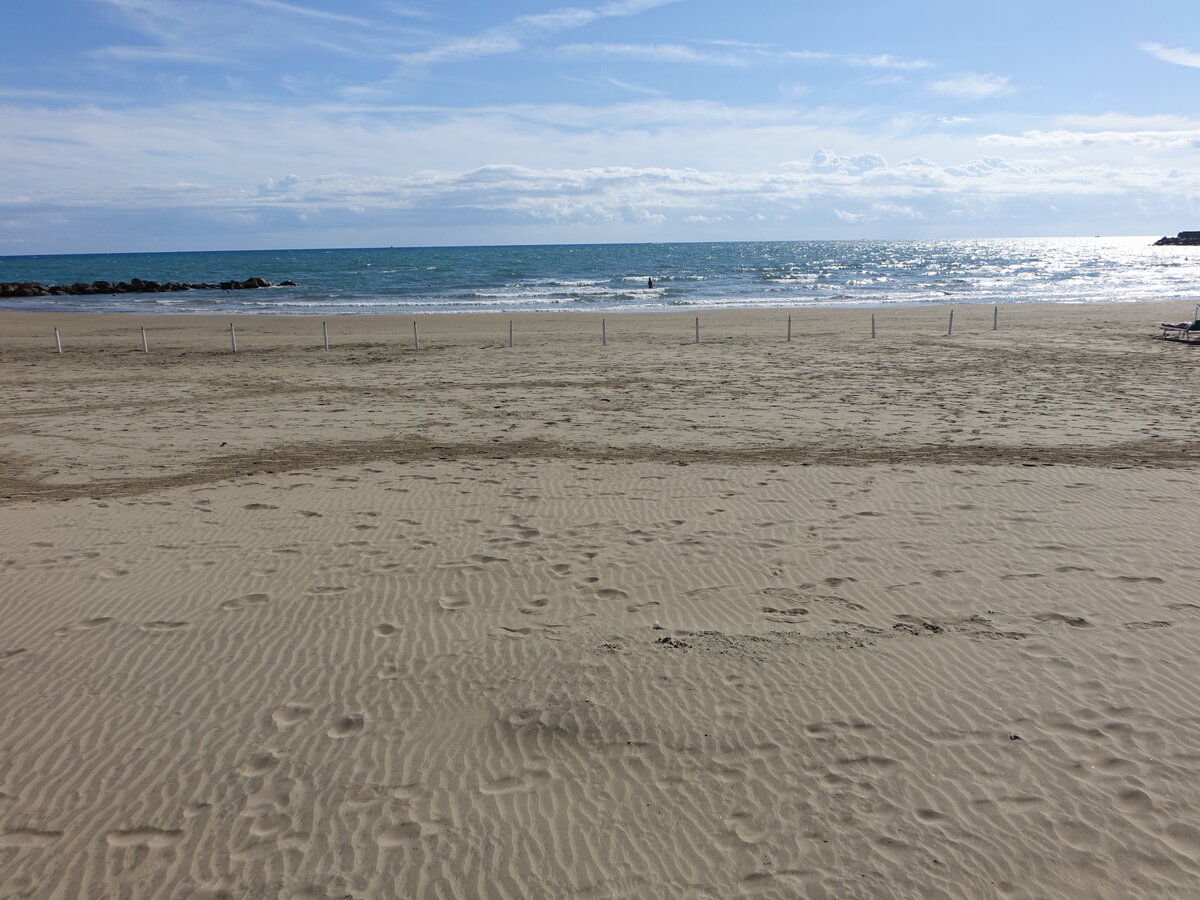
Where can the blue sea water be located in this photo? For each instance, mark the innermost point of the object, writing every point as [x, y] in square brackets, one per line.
[613, 277]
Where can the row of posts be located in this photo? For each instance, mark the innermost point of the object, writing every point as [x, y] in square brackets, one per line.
[603, 332]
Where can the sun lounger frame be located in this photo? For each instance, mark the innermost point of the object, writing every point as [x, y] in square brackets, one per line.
[1184, 332]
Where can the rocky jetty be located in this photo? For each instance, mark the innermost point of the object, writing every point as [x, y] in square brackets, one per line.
[132, 286]
[1184, 238]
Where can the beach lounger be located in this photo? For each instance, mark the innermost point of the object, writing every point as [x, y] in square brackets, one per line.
[1186, 332]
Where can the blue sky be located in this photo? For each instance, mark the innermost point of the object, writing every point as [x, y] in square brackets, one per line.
[227, 124]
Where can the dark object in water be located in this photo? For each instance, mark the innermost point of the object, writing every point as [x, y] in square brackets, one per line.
[133, 286]
[1184, 239]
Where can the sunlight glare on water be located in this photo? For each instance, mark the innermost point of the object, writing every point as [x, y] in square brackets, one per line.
[615, 277]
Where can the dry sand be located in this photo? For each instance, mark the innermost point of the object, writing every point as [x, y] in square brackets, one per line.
[908, 617]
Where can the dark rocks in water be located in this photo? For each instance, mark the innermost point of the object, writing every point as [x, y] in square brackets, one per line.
[244, 285]
[133, 286]
[1184, 239]
[24, 289]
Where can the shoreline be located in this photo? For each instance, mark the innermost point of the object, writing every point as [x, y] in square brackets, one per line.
[21, 327]
[681, 310]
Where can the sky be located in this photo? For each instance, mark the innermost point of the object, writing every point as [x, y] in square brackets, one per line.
[146, 125]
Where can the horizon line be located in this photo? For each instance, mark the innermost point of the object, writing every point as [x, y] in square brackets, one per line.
[4, 256]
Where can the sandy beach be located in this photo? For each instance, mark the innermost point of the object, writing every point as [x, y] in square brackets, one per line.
[835, 617]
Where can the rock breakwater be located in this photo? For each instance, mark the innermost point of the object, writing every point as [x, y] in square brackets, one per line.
[1184, 239]
[132, 286]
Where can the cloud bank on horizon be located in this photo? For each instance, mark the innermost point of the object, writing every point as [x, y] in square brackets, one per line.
[224, 124]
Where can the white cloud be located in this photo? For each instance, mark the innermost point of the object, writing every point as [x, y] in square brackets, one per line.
[513, 35]
[984, 168]
[52, 96]
[972, 86]
[293, 9]
[887, 61]
[413, 12]
[827, 162]
[851, 187]
[324, 173]
[876, 61]
[158, 54]
[736, 53]
[1114, 121]
[1062, 139]
[607, 81]
[220, 31]
[1174, 55]
[676, 53]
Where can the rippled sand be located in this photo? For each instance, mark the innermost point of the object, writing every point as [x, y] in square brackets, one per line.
[911, 617]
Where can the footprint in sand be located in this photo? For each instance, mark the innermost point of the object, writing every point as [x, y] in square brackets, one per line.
[258, 764]
[1076, 834]
[162, 626]
[789, 616]
[385, 629]
[83, 625]
[516, 631]
[834, 581]
[515, 784]
[403, 835]
[291, 714]
[249, 601]
[1073, 621]
[1135, 802]
[1182, 838]
[154, 838]
[895, 850]
[347, 726]
[453, 603]
[270, 824]
[28, 837]
[111, 573]
[328, 590]
[743, 830]
[638, 607]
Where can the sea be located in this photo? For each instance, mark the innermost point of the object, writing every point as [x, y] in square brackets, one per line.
[610, 278]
